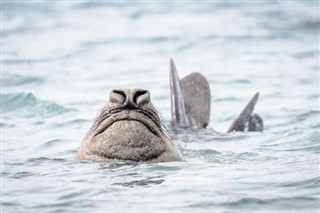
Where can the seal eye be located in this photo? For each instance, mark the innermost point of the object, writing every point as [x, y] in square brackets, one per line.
[117, 97]
[141, 97]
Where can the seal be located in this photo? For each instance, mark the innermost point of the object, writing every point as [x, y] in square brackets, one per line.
[128, 128]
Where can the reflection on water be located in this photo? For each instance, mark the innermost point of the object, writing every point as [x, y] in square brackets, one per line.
[141, 183]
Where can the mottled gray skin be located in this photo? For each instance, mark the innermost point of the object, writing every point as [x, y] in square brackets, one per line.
[246, 120]
[190, 104]
[196, 93]
[190, 99]
[255, 123]
[128, 128]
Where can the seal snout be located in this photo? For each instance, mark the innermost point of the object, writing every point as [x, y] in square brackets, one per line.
[128, 128]
[129, 104]
[129, 98]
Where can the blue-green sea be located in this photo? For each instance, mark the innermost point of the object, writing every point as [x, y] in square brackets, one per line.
[60, 59]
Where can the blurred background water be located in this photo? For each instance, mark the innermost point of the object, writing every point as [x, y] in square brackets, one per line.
[60, 59]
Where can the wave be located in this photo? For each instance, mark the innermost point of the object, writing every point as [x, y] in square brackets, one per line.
[28, 105]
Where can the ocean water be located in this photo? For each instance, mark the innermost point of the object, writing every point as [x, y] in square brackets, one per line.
[60, 59]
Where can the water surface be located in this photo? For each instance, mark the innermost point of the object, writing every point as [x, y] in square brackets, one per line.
[61, 59]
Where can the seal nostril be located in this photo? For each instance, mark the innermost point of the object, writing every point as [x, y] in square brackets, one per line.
[117, 96]
[141, 97]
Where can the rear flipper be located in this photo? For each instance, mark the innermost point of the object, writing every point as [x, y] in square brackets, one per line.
[247, 121]
[255, 123]
[190, 99]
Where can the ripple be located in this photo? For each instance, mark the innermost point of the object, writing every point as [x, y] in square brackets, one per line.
[138, 183]
[242, 81]
[205, 153]
[19, 80]
[5, 125]
[306, 115]
[66, 206]
[224, 99]
[308, 54]
[276, 203]
[312, 183]
[75, 122]
[51, 143]
[22, 175]
[93, 5]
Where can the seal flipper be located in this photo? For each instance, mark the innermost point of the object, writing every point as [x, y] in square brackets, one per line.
[196, 92]
[190, 99]
[255, 123]
[178, 110]
[241, 121]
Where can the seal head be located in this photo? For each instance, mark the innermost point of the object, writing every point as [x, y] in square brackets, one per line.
[128, 128]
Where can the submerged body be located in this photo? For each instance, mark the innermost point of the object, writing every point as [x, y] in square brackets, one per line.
[128, 128]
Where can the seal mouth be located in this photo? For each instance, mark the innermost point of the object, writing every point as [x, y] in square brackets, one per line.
[142, 116]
